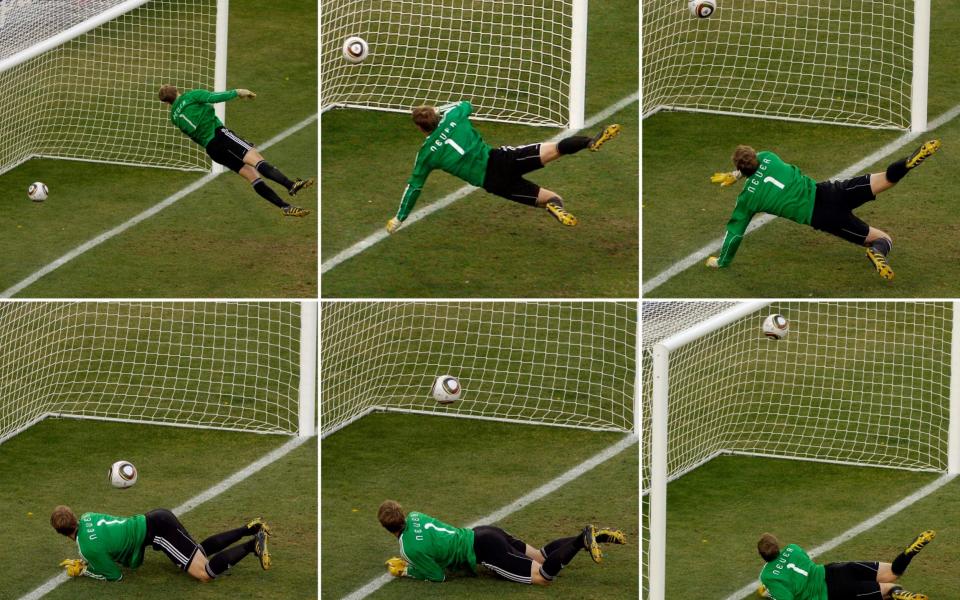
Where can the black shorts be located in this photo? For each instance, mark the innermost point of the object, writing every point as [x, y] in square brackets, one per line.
[228, 149]
[502, 553]
[168, 535]
[834, 204]
[853, 581]
[506, 167]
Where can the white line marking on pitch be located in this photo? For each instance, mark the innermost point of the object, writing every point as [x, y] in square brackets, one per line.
[166, 202]
[381, 234]
[751, 588]
[194, 502]
[700, 255]
[537, 494]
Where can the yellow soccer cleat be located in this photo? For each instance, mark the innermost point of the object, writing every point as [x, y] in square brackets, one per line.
[880, 263]
[260, 549]
[263, 525]
[922, 153]
[905, 595]
[295, 211]
[561, 214]
[605, 535]
[300, 184]
[609, 132]
[921, 540]
[590, 543]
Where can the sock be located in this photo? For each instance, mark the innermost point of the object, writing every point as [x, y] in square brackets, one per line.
[897, 171]
[900, 564]
[229, 557]
[216, 543]
[881, 245]
[561, 556]
[273, 174]
[552, 547]
[261, 187]
[573, 144]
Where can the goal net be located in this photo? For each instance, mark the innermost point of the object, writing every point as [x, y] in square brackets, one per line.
[518, 61]
[850, 62]
[80, 79]
[859, 383]
[553, 363]
[221, 365]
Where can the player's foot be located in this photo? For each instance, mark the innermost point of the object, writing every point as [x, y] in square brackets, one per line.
[295, 211]
[905, 595]
[605, 535]
[590, 543]
[921, 540]
[260, 549]
[922, 153]
[260, 525]
[609, 132]
[561, 214]
[880, 263]
[299, 184]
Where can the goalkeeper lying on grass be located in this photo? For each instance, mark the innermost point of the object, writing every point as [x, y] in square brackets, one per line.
[789, 574]
[779, 188]
[192, 113]
[428, 547]
[454, 146]
[105, 542]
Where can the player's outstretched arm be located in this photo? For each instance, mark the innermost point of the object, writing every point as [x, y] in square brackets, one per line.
[74, 566]
[245, 94]
[397, 566]
[725, 179]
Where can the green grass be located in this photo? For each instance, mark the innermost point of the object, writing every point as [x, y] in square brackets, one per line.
[66, 462]
[716, 514]
[683, 211]
[221, 241]
[459, 471]
[484, 246]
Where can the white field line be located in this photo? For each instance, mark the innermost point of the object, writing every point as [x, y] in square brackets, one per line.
[700, 255]
[381, 234]
[537, 494]
[751, 588]
[166, 202]
[194, 502]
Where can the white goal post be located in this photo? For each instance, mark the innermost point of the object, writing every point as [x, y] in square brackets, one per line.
[516, 61]
[80, 79]
[569, 364]
[845, 62]
[858, 383]
[239, 366]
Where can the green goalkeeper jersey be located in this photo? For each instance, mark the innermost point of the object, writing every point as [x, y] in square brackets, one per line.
[105, 540]
[794, 576]
[455, 147]
[429, 546]
[193, 114]
[776, 188]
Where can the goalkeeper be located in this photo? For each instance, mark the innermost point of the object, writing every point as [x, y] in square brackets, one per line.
[779, 188]
[428, 547]
[105, 542]
[191, 111]
[454, 146]
[790, 574]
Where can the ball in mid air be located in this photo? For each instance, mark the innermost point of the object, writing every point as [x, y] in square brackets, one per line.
[446, 389]
[355, 49]
[702, 8]
[776, 327]
[122, 474]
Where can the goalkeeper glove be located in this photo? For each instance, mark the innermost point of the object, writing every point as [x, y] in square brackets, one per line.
[242, 93]
[713, 263]
[397, 566]
[74, 566]
[393, 224]
[725, 179]
[762, 591]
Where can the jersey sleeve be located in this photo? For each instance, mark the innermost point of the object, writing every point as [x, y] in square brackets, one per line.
[778, 591]
[426, 569]
[736, 228]
[101, 567]
[213, 97]
[414, 186]
[460, 109]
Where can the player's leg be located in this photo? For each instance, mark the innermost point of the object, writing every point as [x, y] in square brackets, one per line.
[878, 245]
[220, 562]
[881, 182]
[550, 151]
[832, 213]
[496, 550]
[165, 533]
[256, 160]
[890, 572]
[554, 204]
[216, 543]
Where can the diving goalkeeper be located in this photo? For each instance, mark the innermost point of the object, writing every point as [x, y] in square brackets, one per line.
[192, 113]
[105, 542]
[778, 188]
[454, 146]
[428, 547]
[790, 574]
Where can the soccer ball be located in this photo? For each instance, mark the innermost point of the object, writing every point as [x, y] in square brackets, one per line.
[37, 191]
[446, 389]
[776, 327]
[355, 49]
[122, 474]
[702, 8]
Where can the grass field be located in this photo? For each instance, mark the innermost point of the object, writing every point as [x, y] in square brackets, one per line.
[683, 211]
[220, 241]
[66, 462]
[484, 246]
[423, 463]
